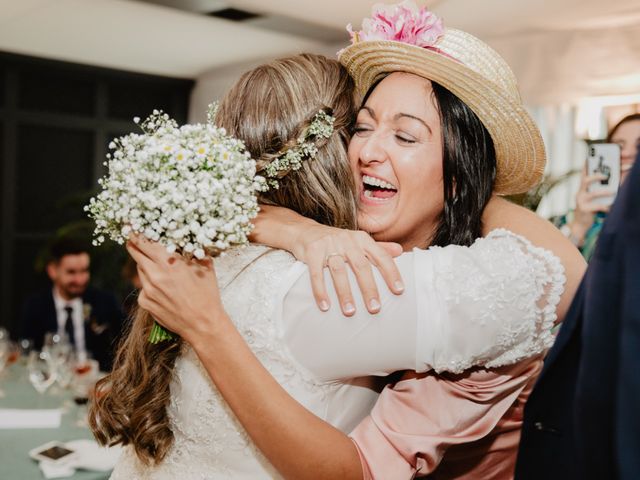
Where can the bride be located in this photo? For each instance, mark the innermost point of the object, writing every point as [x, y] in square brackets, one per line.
[159, 399]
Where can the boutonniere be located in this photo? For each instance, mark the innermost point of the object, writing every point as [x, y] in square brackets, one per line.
[94, 326]
[86, 311]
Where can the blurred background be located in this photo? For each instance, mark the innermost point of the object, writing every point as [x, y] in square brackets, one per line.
[73, 74]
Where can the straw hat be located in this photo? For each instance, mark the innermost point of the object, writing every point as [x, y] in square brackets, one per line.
[467, 67]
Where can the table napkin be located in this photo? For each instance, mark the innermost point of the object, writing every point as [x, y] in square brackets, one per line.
[13, 418]
[52, 470]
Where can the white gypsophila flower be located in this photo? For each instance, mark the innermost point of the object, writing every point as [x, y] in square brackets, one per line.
[291, 158]
[192, 188]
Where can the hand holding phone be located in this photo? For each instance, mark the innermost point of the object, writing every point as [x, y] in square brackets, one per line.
[604, 161]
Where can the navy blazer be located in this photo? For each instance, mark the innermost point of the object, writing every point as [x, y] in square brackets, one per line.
[102, 326]
[582, 420]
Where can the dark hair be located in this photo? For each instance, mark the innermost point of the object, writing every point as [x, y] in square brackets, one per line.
[628, 118]
[62, 246]
[468, 169]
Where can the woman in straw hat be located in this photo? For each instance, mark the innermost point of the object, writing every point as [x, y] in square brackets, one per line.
[434, 111]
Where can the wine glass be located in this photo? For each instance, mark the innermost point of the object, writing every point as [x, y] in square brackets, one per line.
[87, 371]
[57, 344]
[61, 355]
[65, 373]
[42, 371]
[4, 357]
[26, 345]
[60, 350]
[14, 353]
[80, 395]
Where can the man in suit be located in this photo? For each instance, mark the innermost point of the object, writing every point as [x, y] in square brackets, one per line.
[582, 420]
[90, 318]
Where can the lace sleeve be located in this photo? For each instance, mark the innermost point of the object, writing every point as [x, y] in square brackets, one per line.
[492, 304]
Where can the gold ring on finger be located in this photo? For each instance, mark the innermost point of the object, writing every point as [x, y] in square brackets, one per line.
[334, 254]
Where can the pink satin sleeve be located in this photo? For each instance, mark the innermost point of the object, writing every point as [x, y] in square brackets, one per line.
[423, 417]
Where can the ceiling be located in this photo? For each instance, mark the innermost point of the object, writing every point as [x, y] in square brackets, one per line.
[135, 36]
[180, 38]
[484, 18]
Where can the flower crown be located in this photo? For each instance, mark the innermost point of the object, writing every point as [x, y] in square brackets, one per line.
[305, 148]
[404, 22]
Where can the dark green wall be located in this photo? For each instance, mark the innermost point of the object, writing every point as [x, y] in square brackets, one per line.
[56, 120]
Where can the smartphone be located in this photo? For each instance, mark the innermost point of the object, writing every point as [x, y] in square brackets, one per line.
[604, 159]
[54, 452]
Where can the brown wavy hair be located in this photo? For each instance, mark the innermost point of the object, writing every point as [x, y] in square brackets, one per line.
[268, 108]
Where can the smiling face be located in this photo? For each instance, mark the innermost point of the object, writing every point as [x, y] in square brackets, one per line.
[396, 156]
[627, 135]
[70, 274]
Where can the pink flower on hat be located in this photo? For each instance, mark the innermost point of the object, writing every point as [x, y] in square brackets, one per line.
[404, 22]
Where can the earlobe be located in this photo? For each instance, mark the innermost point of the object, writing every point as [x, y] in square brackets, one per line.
[51, 271]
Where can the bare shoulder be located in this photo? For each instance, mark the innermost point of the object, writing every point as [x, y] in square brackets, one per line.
[501, 213]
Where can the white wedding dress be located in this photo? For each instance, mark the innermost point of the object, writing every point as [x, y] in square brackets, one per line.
[490, 304]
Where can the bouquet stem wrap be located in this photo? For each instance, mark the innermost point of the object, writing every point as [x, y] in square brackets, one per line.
[160, 334]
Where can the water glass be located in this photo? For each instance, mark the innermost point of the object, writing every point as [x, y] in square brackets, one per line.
[5, 345]
[4, 357]
[42, 371]
[65, 373]
[14, 353]
[53, 340]
[61, 352]
[26, 345]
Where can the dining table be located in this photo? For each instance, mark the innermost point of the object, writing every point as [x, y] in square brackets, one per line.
[15, 443]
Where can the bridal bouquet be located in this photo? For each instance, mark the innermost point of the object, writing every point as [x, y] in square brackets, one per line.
[191, 188]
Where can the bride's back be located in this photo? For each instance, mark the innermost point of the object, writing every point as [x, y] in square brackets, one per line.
[208, 441]
[142, 403]
[271, 106]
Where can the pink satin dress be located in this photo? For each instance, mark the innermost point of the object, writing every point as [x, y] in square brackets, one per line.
[447, 426]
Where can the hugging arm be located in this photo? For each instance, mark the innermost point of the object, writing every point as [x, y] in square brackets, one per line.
[183, 295]
[297, 443]
[319, 246]
[491, 304]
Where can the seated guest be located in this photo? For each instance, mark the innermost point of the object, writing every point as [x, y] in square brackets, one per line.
[582, 225]
[90, 318]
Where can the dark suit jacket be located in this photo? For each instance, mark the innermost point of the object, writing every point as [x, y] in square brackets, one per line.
[582, 420]
[101, 328]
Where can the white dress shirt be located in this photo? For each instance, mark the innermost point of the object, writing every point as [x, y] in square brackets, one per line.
[77, 316]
